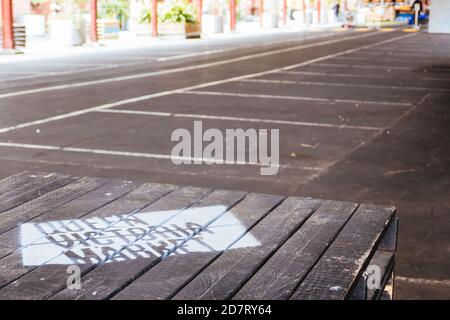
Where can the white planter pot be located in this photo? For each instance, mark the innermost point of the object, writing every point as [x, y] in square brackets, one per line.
[309, 16]
[64, 33]
[270, 20]
[34, 24]
[212, 24]
[143, 29]
[331, 17]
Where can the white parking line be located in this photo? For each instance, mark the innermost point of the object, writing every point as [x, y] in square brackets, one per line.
[192, 54]
[181, 69]
[351, 85]
[136, 154]
[353, 75]
[360, 66]
[344, 75]
[430, 282]
[181, 90]
[224, 118]
[324, 100]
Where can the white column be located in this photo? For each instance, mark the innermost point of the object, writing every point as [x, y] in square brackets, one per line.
[439, 17]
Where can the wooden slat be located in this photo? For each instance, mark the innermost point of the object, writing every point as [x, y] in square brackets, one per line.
[33, 208]
[158, 242]
[223, 277]
[17, 180]
[170, 205]
[116, 212]
[388, 292]
[383, 258]
[338, 269]
[168, 276]
[33, 189]
[282, 273]
[13, 239]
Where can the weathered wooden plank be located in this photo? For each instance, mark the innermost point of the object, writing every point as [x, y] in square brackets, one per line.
[155, 244]
[388, 292]
[17, 180]
[379, 268]
[338, 269]
[281, 274]
[223, 277]
[60, 250]
[168, 276]
[33, 189]
[57, 218]
[389, 240]
[33, 208]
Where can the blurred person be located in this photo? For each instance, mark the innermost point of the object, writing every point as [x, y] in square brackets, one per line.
[336, 9]
[417, 2]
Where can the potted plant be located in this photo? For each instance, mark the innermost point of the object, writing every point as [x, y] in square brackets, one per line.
[113, 15]
[35, 21]
[143, 28]
[67, 27]
[212, 20]
[177, 19]
[270, 16]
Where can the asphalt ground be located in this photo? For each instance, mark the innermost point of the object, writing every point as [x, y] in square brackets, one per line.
[363, 116]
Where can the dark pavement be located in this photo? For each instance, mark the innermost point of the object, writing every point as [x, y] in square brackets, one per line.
[363, 116]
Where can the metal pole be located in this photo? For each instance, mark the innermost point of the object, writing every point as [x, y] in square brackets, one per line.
[233, 15]
[416, 15]
[318, 11]
[199, 10]
[154, 18]
[94, 35]
[7, 27]
[284, 11]
[261, 12]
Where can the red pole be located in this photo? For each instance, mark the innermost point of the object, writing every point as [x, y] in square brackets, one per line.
[154, 18]
[318, 11]
[199, 10]
[284, 11]
[233, 15]
[7, 28]
[304, 11]
[94, 35]
[261, 11]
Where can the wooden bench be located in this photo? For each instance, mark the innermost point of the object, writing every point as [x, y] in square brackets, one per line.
[160, 241]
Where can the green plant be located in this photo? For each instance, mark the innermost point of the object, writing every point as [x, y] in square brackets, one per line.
[178, 12]
[36, 2]
[114, 8]
[146, 16]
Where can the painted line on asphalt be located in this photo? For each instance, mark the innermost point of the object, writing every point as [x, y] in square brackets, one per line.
[199, 86]
[344, 75]
[353, 75]
[351, 85]
[143, 155]
[323, 100]
[193, 54]
[139, 60]
[360, 66]
[430, 282]
[181, 69]
[243, 119]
